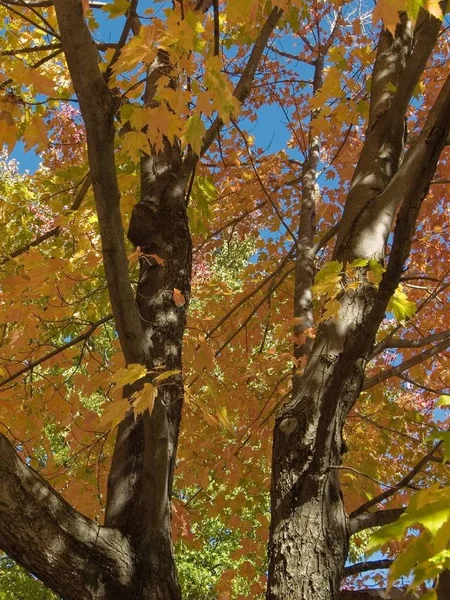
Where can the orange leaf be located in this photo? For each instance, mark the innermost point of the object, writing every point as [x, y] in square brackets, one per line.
[178, 298]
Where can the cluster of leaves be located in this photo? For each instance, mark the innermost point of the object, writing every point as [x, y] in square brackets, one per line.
[60, 357]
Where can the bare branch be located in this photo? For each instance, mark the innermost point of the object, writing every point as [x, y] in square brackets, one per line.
[369, 565]
[243, 88]
[374, 519]
[417, 343]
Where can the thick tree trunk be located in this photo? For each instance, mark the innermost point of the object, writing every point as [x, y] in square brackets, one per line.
[141, 477]
[309, 530]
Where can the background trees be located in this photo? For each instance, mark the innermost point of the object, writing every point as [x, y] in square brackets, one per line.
[322, 249]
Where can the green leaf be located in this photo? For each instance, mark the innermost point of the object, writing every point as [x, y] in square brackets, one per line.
[360, 262]
[326, 282]
[117, 8]
[377, 270]
[194, 132]
[443, 401]
[399, 304]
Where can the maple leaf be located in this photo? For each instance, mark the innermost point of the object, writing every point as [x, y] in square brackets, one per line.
[114, 413]
[128, 375]
[144, 399]
[178, 298]
[399, 304]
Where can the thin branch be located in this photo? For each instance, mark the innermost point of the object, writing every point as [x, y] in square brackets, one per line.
[329, 235]
[243, 300]
[370, 565]
[374, 519]
[254, 311]
[261, 183]
[406, 364]
[80, 338]
[400, 485]
[417, 343]
[46, 3]
[421, 306]
[56, 230]
[45, 47]
[243, 88]
[51, 32]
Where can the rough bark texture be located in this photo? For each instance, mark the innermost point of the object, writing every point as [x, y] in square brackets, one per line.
[71, 554]
[309, 529]
[141, 477]
[131, 557]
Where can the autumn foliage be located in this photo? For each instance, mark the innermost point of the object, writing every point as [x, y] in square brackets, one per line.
[263, 110]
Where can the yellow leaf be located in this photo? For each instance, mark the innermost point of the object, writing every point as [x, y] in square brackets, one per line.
[331, 309]
[145, 399]
[389, 12]
[399, 304]
[134, 143]
[115, 413]
[128, 375]
[223, 418]
[194, 132]
[166, 375]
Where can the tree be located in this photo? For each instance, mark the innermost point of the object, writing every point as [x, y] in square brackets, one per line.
[151, 131]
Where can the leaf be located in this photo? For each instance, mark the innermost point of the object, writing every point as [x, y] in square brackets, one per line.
[222, 414]
[178, 298]
[144, 399]
[430, 595]
[376, 271]
[359, 262]
[128, 375]
[389, 12]
[331, 309]
[444, 400]
[326, 282]
[116, 8]
[115, 413]
[399, 304]
[194, 133]
[166, 375]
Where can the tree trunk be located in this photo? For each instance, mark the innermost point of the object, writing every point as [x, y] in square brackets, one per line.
[141, 477]
[309, 532]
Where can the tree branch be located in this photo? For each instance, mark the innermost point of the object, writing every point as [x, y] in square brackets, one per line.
[86, 184]
[400, 485]
[417, 343]
[374, 519]
[406, 364]
[243, 88]
[70, 553]
[369, 565]
[73, 342]
[98, 110]
[46, 3]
